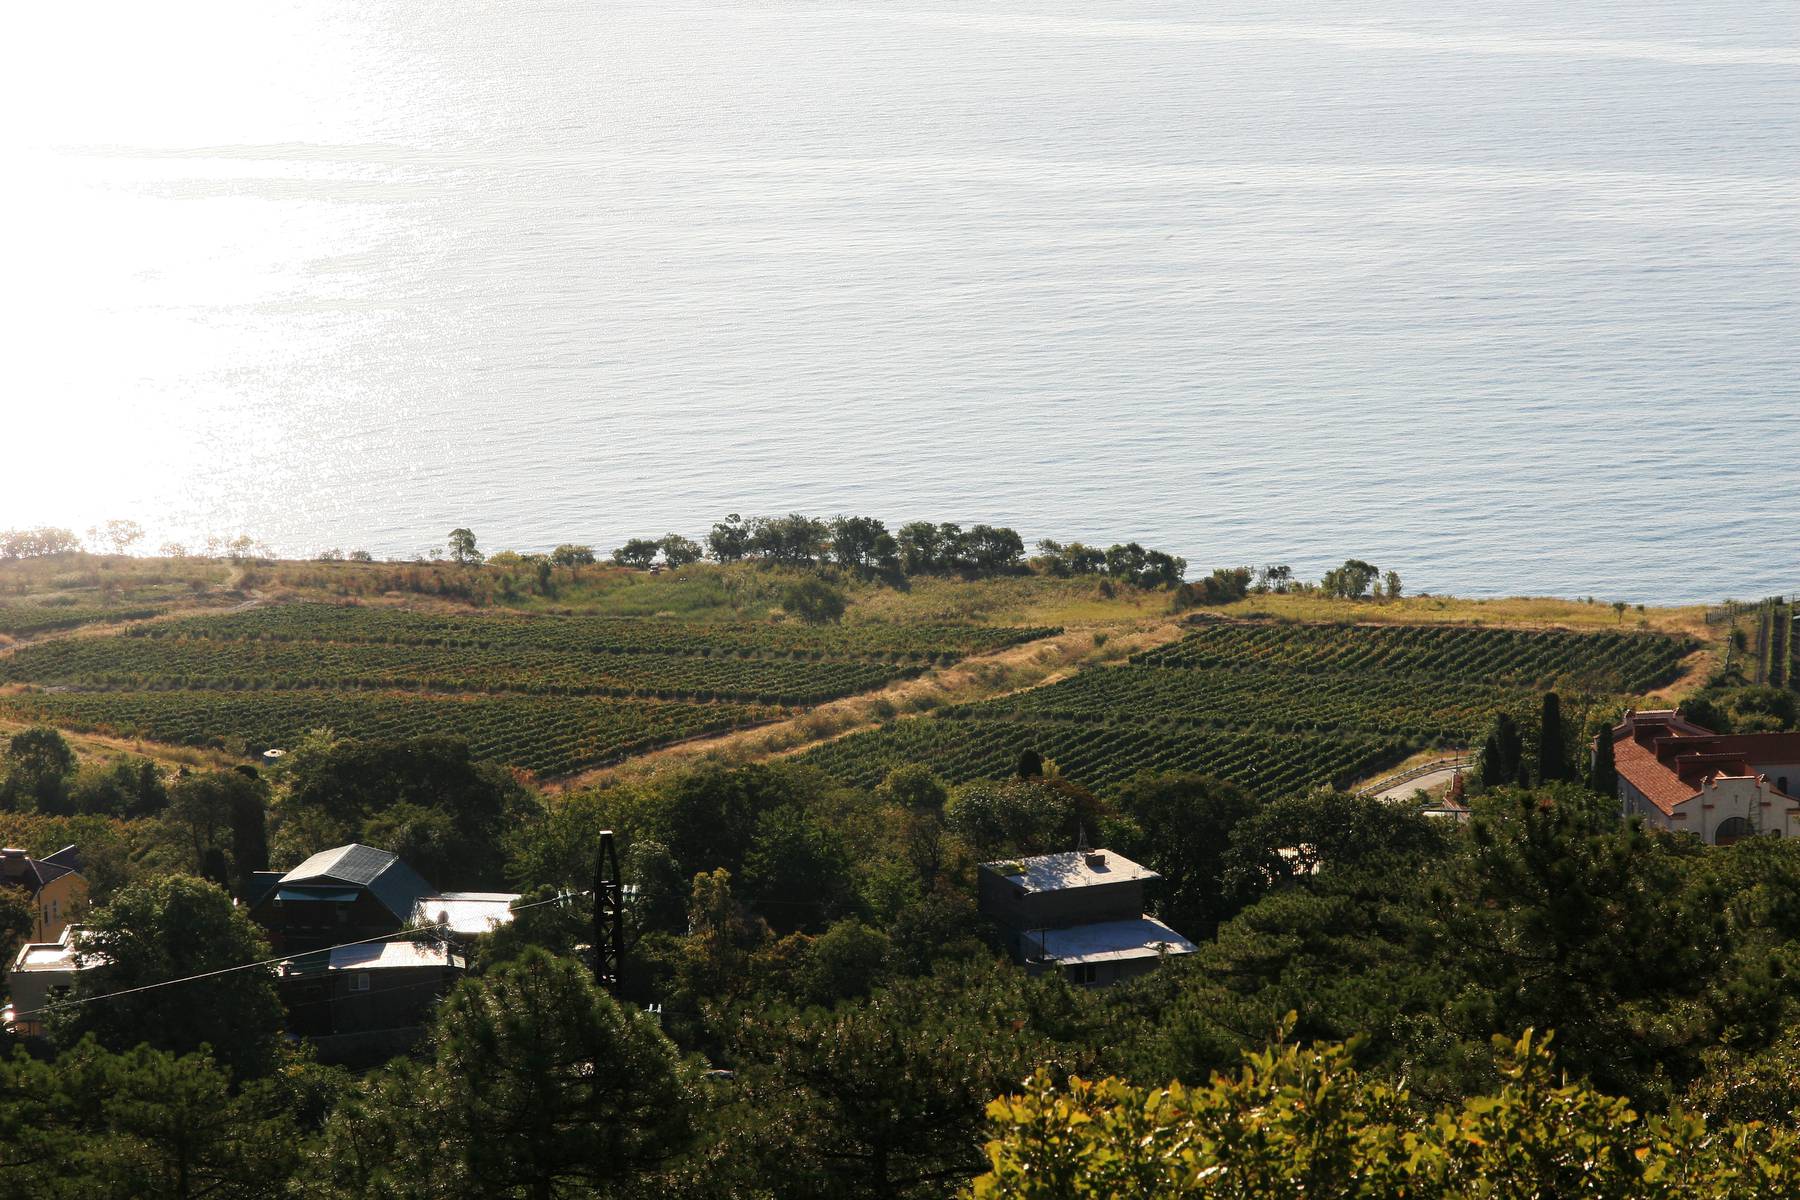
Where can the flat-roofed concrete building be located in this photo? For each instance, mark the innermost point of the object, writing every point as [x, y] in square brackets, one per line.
[1678, 775]
[1081, 912]
[40, 972]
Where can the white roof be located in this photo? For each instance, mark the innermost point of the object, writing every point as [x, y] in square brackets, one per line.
[1108, 941]
[1073, 869]
[376, 955]
[53, 956]
[465, 912]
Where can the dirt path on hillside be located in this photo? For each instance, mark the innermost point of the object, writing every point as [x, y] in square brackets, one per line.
[96, 745]
[984, 677]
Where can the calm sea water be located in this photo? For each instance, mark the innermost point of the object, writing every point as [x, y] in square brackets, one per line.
[1506, 297]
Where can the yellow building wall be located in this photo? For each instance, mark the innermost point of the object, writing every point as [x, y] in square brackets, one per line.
[59, 902]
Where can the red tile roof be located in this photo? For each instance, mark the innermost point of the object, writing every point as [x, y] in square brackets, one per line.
[1668, 758]
[1639, 767]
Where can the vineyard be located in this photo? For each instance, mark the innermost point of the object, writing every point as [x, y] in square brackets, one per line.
[1424, 708]
[551, 694]
[1100, 755]
[1625, 662]
[549, 736]
[1276, 707]
[144, 664]
[595, 635]
[28, 620]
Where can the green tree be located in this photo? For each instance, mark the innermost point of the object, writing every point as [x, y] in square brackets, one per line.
[715, 954]
[1393, 585]
[454, 811]
[1015, 816]
[797, 871]
[1569, 919]
[1603, 775]
[729, 540]
[462, 547]
[1502, 753]
[570, 555]
[1297, 836]
[38, 765]
[921, 548]
[122, 787]
[170, 928]
[17, 919]
[679, 551]
[1350, 581]
[143, 1125]
[863, 544]
[913, 786]
[540, 1087]
[794, 540]
[173, 1127]
[637, 552]
[883, 1097]
[814, 601]
[1187, 822]
[707, 816]
[990, 548]
[1553, 756]
[216, 810]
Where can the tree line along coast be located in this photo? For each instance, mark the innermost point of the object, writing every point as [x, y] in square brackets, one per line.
[862, 545]
[790, 934]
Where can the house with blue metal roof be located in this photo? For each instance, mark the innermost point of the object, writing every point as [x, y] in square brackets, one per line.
[341, 895]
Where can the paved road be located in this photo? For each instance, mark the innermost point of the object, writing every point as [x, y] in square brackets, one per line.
[1429, 782]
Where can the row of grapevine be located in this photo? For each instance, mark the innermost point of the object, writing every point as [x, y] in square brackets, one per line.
[141, 664]
[373, 624]
[549, 736]
[1269, 700]
[1613, 662]
[1102, 756]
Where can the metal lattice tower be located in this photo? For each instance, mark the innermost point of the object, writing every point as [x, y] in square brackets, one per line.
[609, 914]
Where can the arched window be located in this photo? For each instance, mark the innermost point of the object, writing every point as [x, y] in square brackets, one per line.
[1732, 829]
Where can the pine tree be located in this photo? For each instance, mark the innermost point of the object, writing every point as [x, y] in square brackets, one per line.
[1553, 760]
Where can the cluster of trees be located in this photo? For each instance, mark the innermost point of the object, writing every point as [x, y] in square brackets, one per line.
[1559, 752]
[676, 551]
[864, 545]
[37, 543]
[39, 773]
[1357, 579]
[835, 1017]
[1127, 563]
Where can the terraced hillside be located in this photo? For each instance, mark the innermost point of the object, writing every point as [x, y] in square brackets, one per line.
[547, 693]
[1277, 707]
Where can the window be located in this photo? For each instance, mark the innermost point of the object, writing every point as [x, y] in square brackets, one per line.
[1084, 973]
[359, 982]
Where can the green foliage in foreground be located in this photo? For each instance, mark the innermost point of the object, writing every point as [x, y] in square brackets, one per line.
[1306, 1122]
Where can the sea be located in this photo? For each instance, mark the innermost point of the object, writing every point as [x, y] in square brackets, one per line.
[1504, 297]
